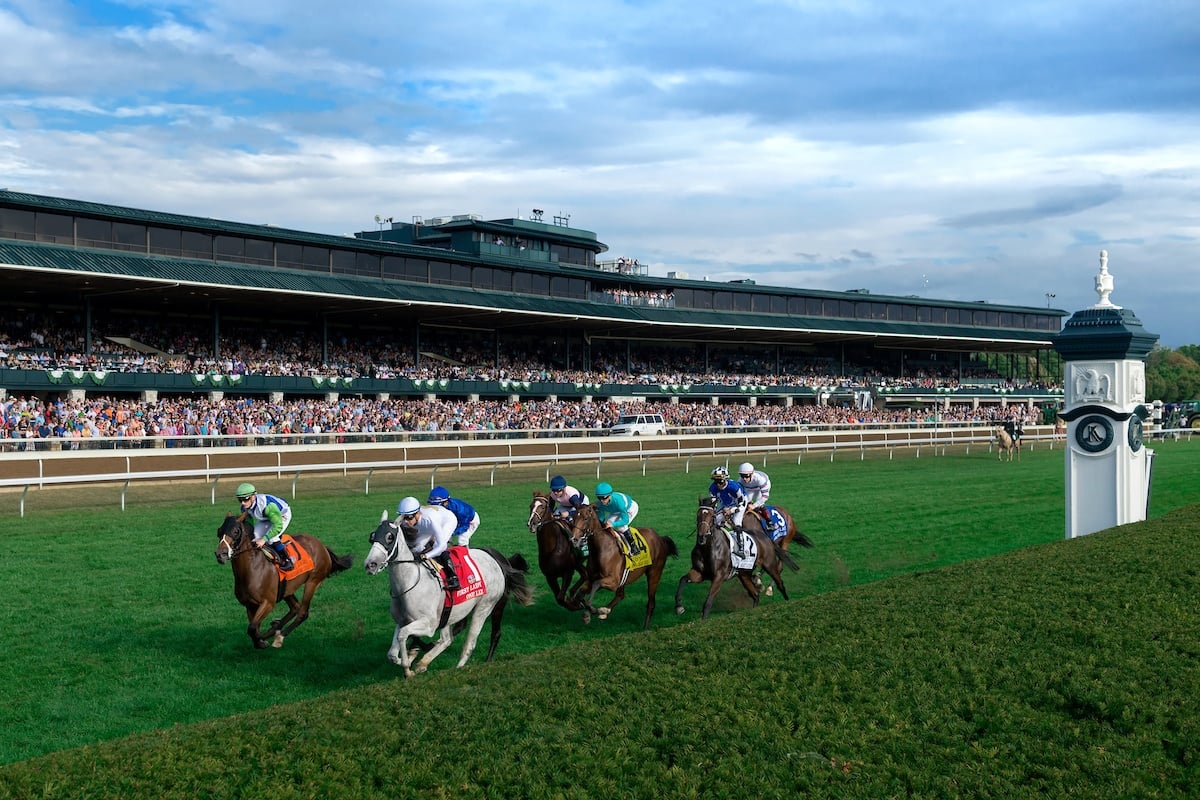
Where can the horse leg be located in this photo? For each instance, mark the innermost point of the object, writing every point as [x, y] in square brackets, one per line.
[773, 569]
[496, 617]
[752, 588]
[618, 596]
[712, 595]
[255, 615]
[444, 640]
[298, 612]
[692, 576]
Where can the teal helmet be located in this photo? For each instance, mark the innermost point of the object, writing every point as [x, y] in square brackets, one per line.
[245, 490]
[603, 491]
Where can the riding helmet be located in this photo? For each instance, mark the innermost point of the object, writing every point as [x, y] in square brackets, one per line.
[245, 490]
[746, 470]
[720, 474]
[439, 496]
[558, 483]
[409, 505]
[603, 489]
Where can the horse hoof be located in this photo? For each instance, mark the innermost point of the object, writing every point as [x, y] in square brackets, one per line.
[678, 609]
[395, 659]
[770, 591]
[278, 640]
[604, 612]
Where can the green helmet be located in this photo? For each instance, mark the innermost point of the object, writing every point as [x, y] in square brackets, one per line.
[245, 490]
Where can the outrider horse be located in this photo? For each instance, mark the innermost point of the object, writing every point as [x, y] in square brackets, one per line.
[419, 601]
[1006, 444]
[712, 561]
[606, 567]
[557, 558]
[256, 581]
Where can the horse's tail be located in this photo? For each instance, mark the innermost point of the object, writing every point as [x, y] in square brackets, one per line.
[514, 579]
[786, 559]
[801, 539]
[339, 563]
[672, 550]
[518, 561]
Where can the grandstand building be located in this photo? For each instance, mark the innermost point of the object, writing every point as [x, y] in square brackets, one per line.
[444, 289]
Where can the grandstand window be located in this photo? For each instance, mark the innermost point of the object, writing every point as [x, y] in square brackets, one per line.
[683, 298]
[779, 304]
[260, 251]
[908, 313]
[521, 282]
[577, 288]
[1006, 319]
[55, 228]
[315, 258]
[560, 286]
[481, 277]
[760, 303]
[502, 280]
[539, 284]
[845, 309]
[937, 315]
[796, 306]
[741, 301]
[416, 269]
[166, 241]
[129, 236]
[702, 299]
[439, 272]
[393, 267]
[366, 264]
[343, 262]
[813, 307]
[289, 255]
[197, 245]
[460, 274]
[16, 223]
[229, 248]
[952, 316]
[93, 232]
[722, 301]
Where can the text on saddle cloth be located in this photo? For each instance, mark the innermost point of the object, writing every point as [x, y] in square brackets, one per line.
[470, 580]
[643, 557]
[751, 550]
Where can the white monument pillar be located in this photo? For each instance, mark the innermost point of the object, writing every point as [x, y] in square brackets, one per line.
[1107, 466]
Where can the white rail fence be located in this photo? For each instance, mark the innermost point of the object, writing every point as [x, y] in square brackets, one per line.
[40, 469]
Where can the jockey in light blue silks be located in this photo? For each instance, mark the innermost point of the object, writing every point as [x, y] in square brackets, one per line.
[731, 505]
[271, 517]
[616, 511]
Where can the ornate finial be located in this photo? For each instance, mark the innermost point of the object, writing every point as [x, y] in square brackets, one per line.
[1104, 283]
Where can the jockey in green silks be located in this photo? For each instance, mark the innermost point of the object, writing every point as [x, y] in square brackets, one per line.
[271, 517]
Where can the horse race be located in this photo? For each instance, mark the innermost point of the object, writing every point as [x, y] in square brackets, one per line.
[466, 505]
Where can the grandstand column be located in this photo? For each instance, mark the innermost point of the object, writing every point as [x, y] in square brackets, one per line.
[472, 398]
[551, 398]
[1108, 469]
[216, 396]
[514, 398]
[276, 397]
[674, 400]
[430, 398]
[330, 397]
[714, 401]
[753, 401]
[383, 397]
[77, 394]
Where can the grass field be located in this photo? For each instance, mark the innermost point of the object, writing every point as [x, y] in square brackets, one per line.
[122, 622]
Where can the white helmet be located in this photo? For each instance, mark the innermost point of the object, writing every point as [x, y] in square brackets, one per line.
[409, 505]
[746, 470]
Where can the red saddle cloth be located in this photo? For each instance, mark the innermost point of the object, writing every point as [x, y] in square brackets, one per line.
[301, 561]
[470, 581]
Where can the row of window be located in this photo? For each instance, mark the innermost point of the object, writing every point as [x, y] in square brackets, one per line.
[83, 231]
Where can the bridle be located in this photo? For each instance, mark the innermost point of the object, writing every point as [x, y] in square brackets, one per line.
[393, 552]
[705, 518]
[237, 542]
[539, 512]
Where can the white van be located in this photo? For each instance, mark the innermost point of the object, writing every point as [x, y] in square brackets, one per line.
[639, 425]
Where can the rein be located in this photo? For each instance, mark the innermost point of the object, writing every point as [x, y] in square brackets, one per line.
[538, 518]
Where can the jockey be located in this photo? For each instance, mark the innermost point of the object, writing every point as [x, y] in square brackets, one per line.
[566, 498]
[271, 517]
[757, 487]
[464, 513]
[731, 504]
[429, 528]
[616, 511]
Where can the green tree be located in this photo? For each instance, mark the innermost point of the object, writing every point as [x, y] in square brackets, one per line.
[1173, 375]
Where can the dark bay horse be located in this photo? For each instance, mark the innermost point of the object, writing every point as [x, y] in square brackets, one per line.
[752, 522]
[711, 559]
[256, 582]
[606, 563]
[557, 558]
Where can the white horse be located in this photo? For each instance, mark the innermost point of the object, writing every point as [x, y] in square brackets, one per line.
[418, 598]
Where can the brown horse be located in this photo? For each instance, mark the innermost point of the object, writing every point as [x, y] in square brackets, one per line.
[1006, 444]
[606, 563]
[712, 561]
[557, 558]
[753, 520]
[256, 582]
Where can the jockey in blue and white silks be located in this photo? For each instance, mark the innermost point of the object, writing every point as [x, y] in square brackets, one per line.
[617, 510]
[566, 498]
[731, 500]
[467, 519]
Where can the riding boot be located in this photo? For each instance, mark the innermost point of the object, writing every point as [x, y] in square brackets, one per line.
[449, 575]
[285, 560]
[630, 542]
[738, 549]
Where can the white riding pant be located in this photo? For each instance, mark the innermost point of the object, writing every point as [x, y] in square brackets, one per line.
[465, 537]
[263, 526]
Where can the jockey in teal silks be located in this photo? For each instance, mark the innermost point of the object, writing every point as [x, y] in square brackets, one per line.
[271, 517]
[616, 511]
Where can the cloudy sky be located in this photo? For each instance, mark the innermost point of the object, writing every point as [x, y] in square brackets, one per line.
[947, 148]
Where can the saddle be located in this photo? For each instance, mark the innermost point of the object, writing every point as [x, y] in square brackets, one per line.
[301, 561]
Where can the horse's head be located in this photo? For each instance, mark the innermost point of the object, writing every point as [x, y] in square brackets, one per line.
[233, 536]
[387, 545]
[539, 510]
[706, 515]
[585, 524]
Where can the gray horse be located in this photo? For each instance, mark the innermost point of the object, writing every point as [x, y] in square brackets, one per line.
[418, 599]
